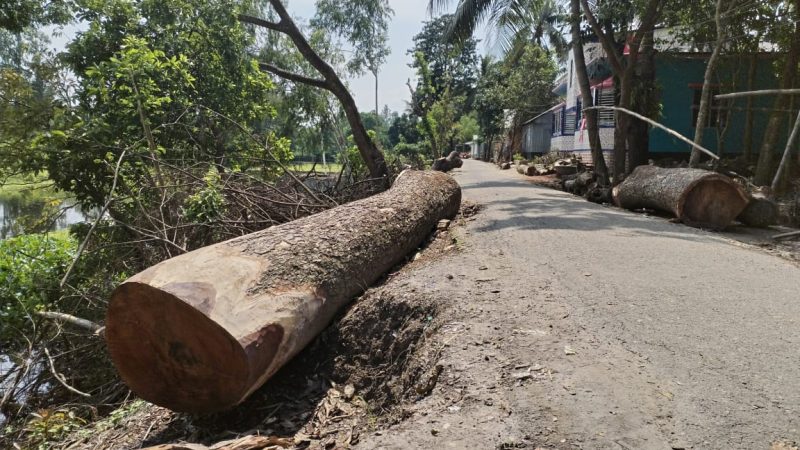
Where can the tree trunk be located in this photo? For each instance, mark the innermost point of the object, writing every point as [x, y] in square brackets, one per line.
[705, 96]
[696, 197]
[749, 116]
[200, 332]
[373, 158]
[592, 128]
[771, 132]
[646, 103]
[621, 121]
[377, 112]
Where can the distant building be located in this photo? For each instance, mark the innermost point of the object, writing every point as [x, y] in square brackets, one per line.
[731, 128]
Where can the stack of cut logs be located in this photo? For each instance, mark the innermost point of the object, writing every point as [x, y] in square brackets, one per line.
[696, 197]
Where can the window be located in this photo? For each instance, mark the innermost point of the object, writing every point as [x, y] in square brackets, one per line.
[604, 97]
[558, 122]
[716, 115]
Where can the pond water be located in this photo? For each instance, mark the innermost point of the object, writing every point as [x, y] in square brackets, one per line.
[18, 211]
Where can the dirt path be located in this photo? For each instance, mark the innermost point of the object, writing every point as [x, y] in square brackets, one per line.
[572, 325]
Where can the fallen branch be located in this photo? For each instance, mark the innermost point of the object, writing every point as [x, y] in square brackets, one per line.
[793, 234]
[72, 320]
[60, 378]
[103, 211]
[669, 131]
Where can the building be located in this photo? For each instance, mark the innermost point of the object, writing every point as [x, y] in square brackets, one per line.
[733, 128]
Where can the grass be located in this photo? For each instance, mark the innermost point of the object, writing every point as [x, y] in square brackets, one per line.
[16, 185]
[305, 167]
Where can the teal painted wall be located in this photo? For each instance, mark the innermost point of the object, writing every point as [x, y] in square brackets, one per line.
[675, 74]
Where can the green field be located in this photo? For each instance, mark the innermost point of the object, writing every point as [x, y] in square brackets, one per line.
[305, 167]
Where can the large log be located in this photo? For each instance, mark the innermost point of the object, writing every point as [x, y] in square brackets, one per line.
[200, 332]
[696, 197]
[453, 161]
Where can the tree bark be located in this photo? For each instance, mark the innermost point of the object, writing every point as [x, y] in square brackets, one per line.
[705, 96]
[760, 213]
[749, 116]
[373, 158]
[592, 127]
[623, 71]
[200, 332]
[766, 155]
[452, 161]
[646, 102]
[696, 197]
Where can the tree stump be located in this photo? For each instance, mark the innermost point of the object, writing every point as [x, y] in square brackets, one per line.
[200, 332]
[760, 213]
[696, 197]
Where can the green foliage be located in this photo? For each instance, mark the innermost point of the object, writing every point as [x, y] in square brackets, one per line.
[363, 24]
[31, 267]
[17, 15]
[206, 205]
[467, 128]
[47, 426]
[449, 65]
[404, 129]
[159, 80]
[352, 157]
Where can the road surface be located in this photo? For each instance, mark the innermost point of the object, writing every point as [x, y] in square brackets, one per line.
[572, 325]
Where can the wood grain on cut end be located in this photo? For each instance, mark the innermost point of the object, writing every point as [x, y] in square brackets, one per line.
[171, 354]
[697, 197]
[713, 203]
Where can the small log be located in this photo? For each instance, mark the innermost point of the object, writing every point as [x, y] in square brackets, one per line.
[541, 169]
[598, 194]
[528, 170]
[200, 332]
[760, 213]
[519, 169]
[696, 197]
[505, 166]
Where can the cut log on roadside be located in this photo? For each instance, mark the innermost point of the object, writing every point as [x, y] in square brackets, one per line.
[541, 169]
[760, 213]
[598, 194]
[528, 170]
[505, 166]
[200, 332]
[453, 161]
[696, 197]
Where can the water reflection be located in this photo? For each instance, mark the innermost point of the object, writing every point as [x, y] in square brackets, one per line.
[32, 211]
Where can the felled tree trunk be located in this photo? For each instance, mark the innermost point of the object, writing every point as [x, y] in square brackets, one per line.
[453, 161]
[760, 213]
[200, 332]
[697, 197]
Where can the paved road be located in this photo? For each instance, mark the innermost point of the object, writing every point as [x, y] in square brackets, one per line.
[572, 325]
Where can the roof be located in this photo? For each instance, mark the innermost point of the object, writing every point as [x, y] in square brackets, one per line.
[546, 112]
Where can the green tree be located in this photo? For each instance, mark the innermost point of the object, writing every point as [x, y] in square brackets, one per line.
[450, 65]
[18, 15]
[364, 25]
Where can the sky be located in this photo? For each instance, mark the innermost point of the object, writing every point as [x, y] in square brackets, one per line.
[407, 22]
